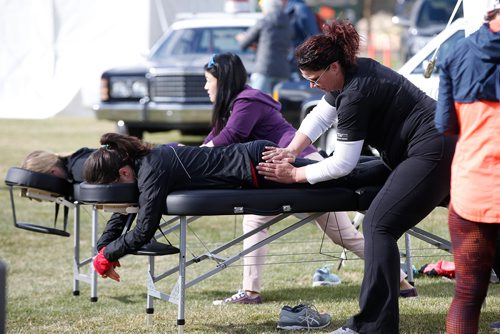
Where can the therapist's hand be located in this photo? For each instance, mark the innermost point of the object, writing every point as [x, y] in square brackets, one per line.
[278, 171]
[272, 153]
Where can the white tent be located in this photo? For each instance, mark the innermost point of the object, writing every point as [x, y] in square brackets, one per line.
[54, 51]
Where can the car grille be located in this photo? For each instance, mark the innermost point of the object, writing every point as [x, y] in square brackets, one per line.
[178, 88]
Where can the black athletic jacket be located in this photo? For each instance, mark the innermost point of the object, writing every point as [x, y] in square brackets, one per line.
[168, 168]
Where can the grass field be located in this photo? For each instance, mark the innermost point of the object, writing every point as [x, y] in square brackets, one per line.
[39, 281]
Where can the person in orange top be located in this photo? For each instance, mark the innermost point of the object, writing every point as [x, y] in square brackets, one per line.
[469, 105]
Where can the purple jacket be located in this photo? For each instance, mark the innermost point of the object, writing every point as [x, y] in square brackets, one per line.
[256, 115]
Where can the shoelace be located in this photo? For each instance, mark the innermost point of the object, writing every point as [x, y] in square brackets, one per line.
[312, 316]
[237, 295]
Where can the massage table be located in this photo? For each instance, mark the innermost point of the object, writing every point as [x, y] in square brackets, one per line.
[42, 187]
[188, 205]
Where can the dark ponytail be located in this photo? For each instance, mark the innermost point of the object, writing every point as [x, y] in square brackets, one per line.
[116, 151]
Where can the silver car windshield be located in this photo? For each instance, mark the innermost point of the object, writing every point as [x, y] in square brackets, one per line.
[200, 41]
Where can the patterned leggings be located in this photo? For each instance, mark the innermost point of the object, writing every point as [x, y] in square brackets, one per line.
[473, 252]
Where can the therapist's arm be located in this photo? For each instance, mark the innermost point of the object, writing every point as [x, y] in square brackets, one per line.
[320, 119]
[341, 163]
[298, 143]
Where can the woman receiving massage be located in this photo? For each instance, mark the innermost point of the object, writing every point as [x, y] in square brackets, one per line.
[161, 169]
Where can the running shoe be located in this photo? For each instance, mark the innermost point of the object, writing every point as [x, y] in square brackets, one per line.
[323, 277]
[302, 317]
[239, 298]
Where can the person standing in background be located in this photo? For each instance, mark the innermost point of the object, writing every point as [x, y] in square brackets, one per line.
[273, 36]
[304, 24]
[469, 105]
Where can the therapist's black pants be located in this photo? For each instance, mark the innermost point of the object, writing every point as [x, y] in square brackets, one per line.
[413, 189]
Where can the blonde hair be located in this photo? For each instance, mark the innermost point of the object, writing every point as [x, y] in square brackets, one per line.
[42, 161]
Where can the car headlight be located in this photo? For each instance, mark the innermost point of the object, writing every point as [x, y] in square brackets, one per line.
[139, 88]
[128, 87]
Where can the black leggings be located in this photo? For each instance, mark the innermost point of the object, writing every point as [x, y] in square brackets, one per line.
[473, 252]
[414, 188]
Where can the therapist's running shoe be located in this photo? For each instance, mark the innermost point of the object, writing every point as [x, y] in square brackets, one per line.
[240, 297]
[302, 317]
[323, 277]
[344, 330]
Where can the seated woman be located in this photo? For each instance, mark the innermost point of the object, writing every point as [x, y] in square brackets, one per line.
[241, 114]
[160, 169]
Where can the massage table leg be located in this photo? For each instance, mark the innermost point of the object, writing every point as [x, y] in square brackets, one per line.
[182, 274]
[76, 246]
[409, 266]
[93, 273]
[150, 299]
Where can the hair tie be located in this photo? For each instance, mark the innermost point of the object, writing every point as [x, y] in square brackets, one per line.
[106, 146]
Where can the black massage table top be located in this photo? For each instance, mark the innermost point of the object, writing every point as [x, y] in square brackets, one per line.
[268, 201]
[106, 193]
[19, 177]
[206, 201]
[259, 201]
[84, 192]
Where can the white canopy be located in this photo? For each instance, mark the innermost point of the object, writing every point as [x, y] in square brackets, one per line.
[53, 51]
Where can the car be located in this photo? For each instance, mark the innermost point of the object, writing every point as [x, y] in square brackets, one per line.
[427, 19]
[413, 69]
[166, 92]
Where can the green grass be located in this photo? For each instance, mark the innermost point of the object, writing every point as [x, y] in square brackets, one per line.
[40, 266]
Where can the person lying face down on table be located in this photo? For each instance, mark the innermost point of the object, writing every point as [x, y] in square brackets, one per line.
[70, 167]
[161, 169]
